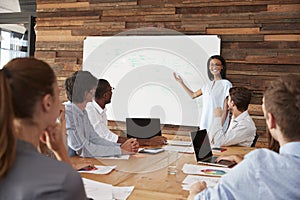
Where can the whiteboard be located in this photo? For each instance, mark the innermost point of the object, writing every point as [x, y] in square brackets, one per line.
[140, 69]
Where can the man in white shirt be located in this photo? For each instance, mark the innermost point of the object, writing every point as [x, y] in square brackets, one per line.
[97, 115]
[241, 130]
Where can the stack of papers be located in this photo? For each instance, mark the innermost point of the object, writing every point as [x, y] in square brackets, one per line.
[191, 179]
[205, 170]
[103, 191]
[179, 149]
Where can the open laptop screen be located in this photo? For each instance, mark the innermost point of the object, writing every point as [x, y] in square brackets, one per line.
[201, 144]
[143, 128]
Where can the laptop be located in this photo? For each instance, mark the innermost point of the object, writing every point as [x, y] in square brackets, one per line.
[203, 151]
[143, 128]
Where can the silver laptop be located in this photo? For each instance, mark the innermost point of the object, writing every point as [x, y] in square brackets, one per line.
[203, 151]
[143, 128]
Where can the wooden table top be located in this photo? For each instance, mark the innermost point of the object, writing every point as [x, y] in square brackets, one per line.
[148, 174]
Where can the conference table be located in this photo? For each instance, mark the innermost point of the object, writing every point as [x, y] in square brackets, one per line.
[148, 173]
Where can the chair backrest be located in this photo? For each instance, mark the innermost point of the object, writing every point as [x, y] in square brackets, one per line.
[62, 121]
[255, 140]
[71, 152]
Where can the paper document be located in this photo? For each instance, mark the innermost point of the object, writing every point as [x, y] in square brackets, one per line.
[179, 149]
[100, 170]
[205, 170]
[191, 179]
[98, 190]
[122, 193]
[103, 191]
[120, 157]
[179, 143]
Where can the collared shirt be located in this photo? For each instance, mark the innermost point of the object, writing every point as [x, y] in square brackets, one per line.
[98, 119]
[263, 174]
[241, 131]
[35, 176]
[214, 94]
[82, 137]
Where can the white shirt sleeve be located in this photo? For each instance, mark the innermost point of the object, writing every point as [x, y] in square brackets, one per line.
[99, 122]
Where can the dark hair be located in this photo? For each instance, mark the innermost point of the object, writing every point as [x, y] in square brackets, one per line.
[241, 97]
[23, 81]
[69, 84]
[223, 71]
[77, 84]
[102, 87]
[282, 99]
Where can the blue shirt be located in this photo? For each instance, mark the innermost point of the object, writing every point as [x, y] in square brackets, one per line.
[263, 174]
[82, 137]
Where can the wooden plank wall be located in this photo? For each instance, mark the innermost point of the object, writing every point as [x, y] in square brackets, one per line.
[260, 39]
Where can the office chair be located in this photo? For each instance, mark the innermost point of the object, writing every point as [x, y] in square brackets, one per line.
[255, 140]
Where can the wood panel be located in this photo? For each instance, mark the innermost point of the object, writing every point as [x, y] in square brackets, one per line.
[260, 39]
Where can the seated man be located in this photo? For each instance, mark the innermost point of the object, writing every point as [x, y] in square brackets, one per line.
[241, 130]
[265, 174]
[97, 115]
[82, 138]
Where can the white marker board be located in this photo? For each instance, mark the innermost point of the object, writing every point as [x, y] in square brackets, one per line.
[140, 68]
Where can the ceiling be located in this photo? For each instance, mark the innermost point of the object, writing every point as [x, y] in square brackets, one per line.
[27, 5]
[12, 14]
[17, 6]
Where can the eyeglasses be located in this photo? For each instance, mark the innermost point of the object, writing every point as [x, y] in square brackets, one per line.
[111, 89]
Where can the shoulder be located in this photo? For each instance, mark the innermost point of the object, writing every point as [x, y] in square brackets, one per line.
[206, 85]
[261, 156]
[41, 170]
[57, 171]
[72, 110]
[90, 108]
[226, 82]
[69, 107]
[89, 105]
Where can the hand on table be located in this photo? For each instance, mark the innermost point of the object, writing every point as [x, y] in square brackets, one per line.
[154, 141]
[130, 146]
[232, 158]
[196, 188]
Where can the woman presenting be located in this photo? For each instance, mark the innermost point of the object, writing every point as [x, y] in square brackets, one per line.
[214, 92]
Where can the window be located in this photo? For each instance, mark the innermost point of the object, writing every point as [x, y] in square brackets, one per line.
[13, 45]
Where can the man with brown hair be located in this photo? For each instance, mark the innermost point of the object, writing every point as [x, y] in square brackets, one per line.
[241, 130]
[265, 173]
